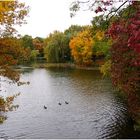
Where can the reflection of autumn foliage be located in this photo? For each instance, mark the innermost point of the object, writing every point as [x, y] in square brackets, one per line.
[81, 48]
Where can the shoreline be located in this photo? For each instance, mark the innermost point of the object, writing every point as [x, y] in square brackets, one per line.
[63, 65]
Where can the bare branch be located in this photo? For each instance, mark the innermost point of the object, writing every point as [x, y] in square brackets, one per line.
[116, 9]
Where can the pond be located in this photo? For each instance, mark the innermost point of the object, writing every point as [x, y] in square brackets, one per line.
[94, 109]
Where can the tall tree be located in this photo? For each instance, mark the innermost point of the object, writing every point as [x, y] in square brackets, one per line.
[57, 47]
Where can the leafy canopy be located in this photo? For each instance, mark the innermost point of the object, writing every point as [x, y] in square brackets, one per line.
[81, 48]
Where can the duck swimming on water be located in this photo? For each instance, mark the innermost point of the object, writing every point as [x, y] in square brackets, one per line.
[45, 107]
[66, 102]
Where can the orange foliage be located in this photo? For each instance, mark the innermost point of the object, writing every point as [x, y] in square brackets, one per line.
[38, 44]
[11, 13]
[81, 48]
[11, 53]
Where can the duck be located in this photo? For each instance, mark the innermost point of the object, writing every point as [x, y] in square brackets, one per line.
[45, 107]
[59, 103]
[66, 102]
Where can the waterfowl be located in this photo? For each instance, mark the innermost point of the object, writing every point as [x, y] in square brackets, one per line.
[66, 102]
[59, 103]
[45, 107]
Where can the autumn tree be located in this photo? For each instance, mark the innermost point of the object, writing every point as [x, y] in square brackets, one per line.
[81, 48]
[125, 56]
[11, 13]
[38, 44]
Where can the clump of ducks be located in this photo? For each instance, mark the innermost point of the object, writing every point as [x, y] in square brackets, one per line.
[45, 107]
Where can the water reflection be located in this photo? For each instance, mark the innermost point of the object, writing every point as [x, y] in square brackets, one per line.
[93, 111]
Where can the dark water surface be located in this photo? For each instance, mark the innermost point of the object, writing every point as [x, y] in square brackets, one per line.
[94, 109]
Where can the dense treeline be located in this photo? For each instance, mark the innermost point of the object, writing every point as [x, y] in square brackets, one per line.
[79, 44]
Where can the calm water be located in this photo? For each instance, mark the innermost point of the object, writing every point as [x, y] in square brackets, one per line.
[94, 109]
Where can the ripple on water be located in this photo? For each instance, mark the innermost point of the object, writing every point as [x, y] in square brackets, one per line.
[94, 110]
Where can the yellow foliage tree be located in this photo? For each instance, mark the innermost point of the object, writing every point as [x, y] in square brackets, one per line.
[99, 35]
[81, 48]
[11, 13]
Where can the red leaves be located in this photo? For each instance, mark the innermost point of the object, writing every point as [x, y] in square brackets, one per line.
[99, 9]
[103, 5]
[115, 30]
[131, 32]
[126, 53]
[106, 3]
[134, 31]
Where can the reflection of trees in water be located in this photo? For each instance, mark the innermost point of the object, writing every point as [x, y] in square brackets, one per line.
[27, 70]
[24, 69]
[75, 73]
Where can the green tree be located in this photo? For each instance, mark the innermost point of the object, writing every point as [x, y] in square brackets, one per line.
[73, 30]
[34, 54]
[57, 47]
[27, 42]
